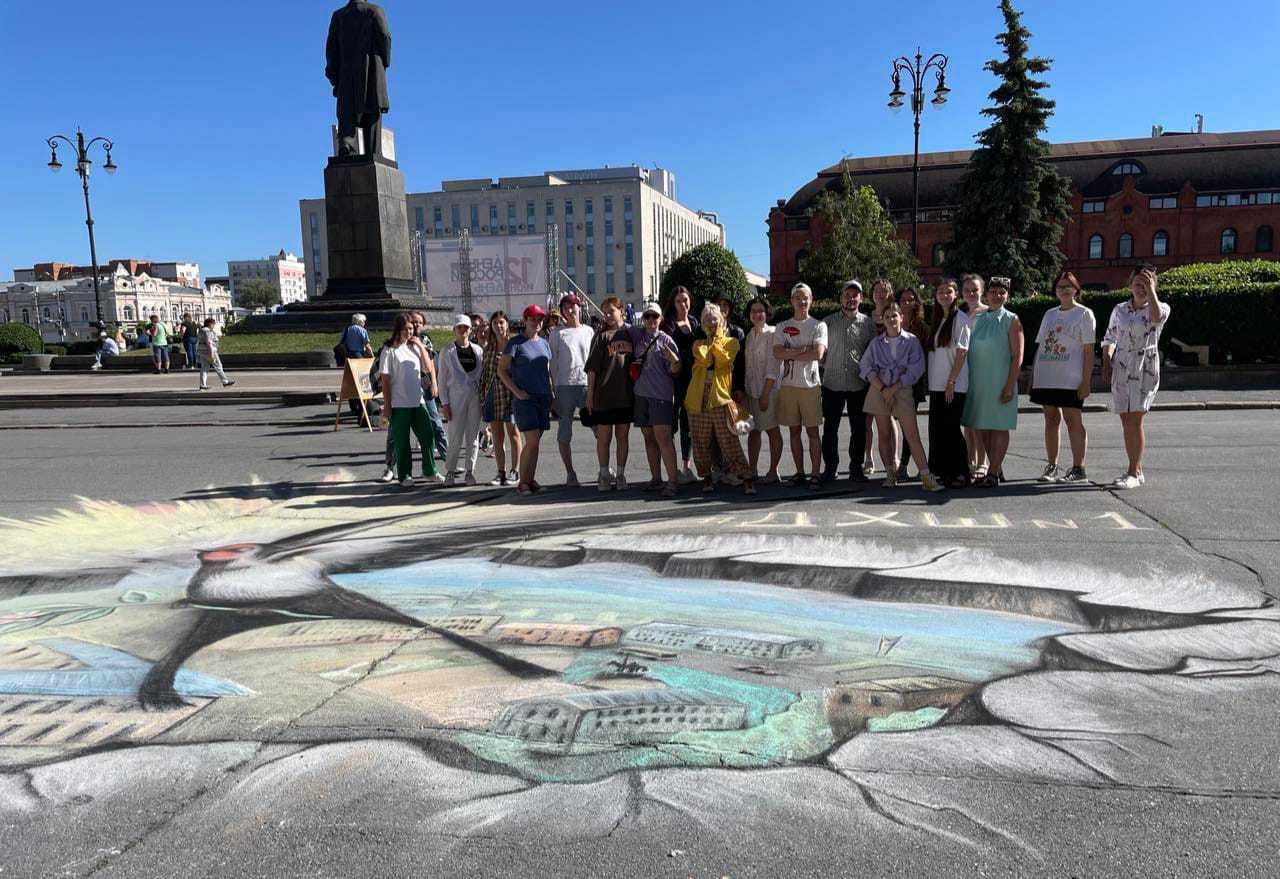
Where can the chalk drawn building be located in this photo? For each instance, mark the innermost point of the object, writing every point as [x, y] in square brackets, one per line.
[82, 721]
[330, 632]
[849, 706]
[731, 642]
[559, 634]
[618, 716]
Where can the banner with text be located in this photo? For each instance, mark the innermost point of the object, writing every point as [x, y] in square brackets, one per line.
[508, 272]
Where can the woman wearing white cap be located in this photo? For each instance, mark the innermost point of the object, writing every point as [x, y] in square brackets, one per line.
[460, 373]
[653, 372]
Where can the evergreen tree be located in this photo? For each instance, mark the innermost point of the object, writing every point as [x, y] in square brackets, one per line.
[858, 241]
[1012, 201]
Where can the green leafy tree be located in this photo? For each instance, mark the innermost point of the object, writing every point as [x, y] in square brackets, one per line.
[17, 339]
[859, 240]
[257, 293]
[708, 270]
[1012, 201]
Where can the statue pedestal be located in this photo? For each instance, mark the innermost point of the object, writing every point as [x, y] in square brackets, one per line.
[368, 230]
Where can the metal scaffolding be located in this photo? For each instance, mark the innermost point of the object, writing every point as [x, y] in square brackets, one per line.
[553, 266]
[464, 269]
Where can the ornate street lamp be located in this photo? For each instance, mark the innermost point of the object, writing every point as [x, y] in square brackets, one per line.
[83, 164]
[917, 72]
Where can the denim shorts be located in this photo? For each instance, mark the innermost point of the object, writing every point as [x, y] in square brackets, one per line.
[569, 399]
[651, 411]
[533, 413]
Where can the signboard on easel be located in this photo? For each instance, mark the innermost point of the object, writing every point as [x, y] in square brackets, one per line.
[356, 385]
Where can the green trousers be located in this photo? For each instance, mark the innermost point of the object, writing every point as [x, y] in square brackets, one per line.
[417, 419]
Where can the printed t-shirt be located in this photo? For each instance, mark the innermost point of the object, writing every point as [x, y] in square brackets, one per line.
[1063, 336]
[797, 334]
[404, 369]
[530, 359]
[611, 354]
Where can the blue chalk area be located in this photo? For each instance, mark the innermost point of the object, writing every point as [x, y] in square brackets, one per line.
[111, 673]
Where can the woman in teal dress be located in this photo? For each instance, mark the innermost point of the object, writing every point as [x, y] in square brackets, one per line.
[995, 359]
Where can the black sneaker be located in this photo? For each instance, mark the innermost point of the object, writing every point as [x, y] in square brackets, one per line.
[1076, 475]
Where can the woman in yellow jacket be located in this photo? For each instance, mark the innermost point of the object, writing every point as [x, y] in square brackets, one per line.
[708, 401]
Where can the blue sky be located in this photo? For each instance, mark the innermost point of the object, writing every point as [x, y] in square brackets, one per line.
[221, 114]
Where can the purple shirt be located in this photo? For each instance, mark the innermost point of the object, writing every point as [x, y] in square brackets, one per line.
[656, 381]
[900, 362]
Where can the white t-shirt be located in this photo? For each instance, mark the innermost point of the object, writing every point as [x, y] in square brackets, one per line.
[569, 349]
[1062, 338]
[797, 334]
[943, 360]
[403, 369]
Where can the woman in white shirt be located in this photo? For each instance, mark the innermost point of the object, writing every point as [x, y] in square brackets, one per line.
[764, 373]
[403, 364]
[946, 349]
[1061, 376]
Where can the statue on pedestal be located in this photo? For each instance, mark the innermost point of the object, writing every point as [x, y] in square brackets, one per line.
[357, 55]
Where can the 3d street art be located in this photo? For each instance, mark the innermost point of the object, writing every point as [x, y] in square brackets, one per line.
[611, 646]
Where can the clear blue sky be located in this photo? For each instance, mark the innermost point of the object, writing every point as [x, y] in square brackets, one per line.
[221, 113]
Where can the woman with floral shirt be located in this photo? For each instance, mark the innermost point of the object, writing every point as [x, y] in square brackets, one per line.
[1131, 365]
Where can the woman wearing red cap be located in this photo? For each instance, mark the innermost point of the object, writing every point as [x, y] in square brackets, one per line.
[525, 368]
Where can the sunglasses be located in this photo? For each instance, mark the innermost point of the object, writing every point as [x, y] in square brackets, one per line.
[1006, 283]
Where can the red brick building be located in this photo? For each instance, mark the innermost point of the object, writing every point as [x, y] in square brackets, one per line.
[1169, 200]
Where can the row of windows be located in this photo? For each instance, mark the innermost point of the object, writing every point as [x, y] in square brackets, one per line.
[1167, 202]
[1228, 242]
[530, 223]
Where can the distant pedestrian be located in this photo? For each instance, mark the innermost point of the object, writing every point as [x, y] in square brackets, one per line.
[525, 368]
[849, 332]
[459, 373]
[710, 402]
[1061, 377]
[995, 361]
[946, 353]
[570, 345]
[402, 367]
[657, 360]
[159, 334]
[764, 376]
[497, 402]
[107, 349]
[207, 354]
[1131, 365]
[190, 337]
[631, 314]
[355, 344]
[680, 324]
[610, 394]
[801, 344]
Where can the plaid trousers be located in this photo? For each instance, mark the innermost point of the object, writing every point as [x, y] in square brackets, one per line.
[703, 426]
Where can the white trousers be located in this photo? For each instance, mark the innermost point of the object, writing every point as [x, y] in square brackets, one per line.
[464, 432]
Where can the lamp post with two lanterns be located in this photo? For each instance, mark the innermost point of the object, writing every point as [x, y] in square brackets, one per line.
[83, 164]
[917, 72]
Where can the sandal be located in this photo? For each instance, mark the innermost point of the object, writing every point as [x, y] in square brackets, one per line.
[708, 485]
[653, 485]
[988, 481]
[750, 486]
[815, 483]
[671, 489]
[797, 481]
[524, 488]
[534, 485]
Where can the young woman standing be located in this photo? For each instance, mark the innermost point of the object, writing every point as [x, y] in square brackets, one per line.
[497, 400]
[947, 351]
[680, 325]
[1061, 376]
[763, 375]
[403, 364]
[971, 287]
[995, 360]
[1131, 365]
[881, 295]
[657, 362]
[709, 398]
[610, 396]
[913, 323]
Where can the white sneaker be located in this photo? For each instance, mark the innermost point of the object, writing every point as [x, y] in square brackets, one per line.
[406, 482]
[605, 482]
[930, 483]
[620, 483]
[1126, 481]
[388, 475]
[436, 479]
[449, 481]
[687, 476]
[469, 479]
[1052, 473]
[868, 467]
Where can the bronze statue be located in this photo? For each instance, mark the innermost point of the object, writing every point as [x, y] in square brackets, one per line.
[357, 54]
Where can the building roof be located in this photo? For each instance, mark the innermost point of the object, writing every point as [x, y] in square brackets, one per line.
[1210, 161]
[630, 699]
[717, 632]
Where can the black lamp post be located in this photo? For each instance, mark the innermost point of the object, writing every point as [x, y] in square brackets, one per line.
[917, 72]
[83, 164]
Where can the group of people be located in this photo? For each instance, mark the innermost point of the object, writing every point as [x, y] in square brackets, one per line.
[199, 342]
[704, 378]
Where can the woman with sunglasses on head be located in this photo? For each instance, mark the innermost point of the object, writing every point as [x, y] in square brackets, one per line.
[679, 323]
[1061, 376]
[763, 382]
[995, 360]
[947, 351]
[971, 304]
[1131, 365]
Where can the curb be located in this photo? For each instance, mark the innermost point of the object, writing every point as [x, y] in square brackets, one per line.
[217, 397]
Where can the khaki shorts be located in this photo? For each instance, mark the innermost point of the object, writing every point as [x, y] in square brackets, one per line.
[768, 419]
[800, 407]
[904, 405]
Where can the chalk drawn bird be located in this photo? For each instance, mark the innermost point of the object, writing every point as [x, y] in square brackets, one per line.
[887, 644]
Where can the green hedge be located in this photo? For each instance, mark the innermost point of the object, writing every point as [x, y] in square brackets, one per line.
[17, 339]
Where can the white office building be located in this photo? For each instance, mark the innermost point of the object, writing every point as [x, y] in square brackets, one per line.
[618, 228]
[284, 269]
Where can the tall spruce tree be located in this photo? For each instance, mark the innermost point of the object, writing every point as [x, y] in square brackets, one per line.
[1012, 201]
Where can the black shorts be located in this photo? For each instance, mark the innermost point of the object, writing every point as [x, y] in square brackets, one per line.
[598, 417]
[1062, 398]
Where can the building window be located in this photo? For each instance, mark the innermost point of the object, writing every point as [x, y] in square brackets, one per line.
[1164, 202]
[84, 315]
[475, 219]
[551, 213]
[493, 219]
[608, 284]
[128, 313]
[1095, 247]
[455, 218]
[511, 216]
[437, 219]
[802, 257]
[1124, 249]
[26, 316]
[569, 233]
[46, 314]
[591, 282]
[1127, 168]
[939, 254]
[1228, 240]
[631, 280]
[419, 218]
[1264, 240]
[1160, 243]
[530, 216]
[1091, 206]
